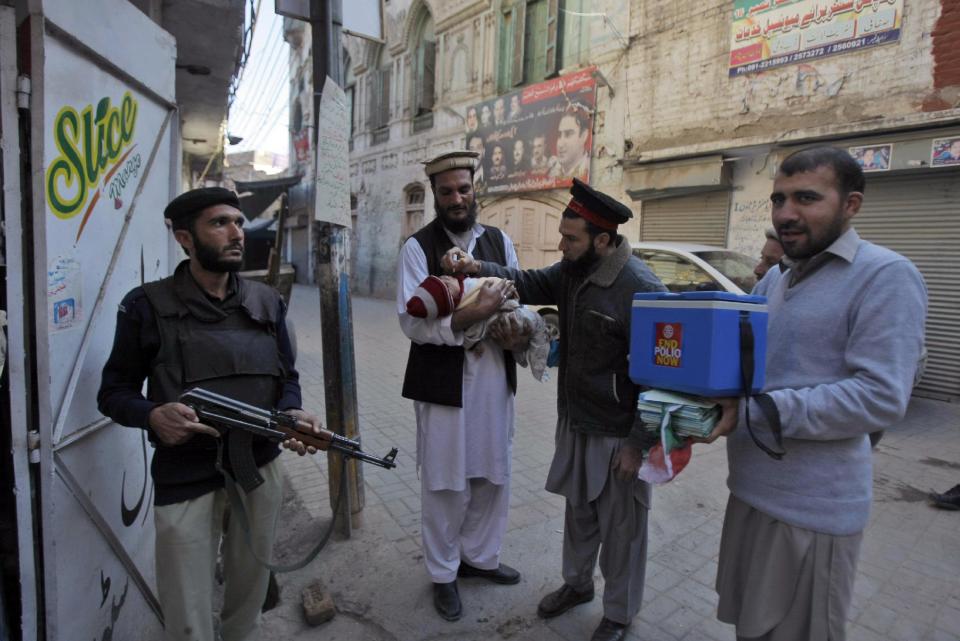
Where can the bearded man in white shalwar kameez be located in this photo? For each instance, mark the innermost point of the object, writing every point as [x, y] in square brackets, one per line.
[463, 399]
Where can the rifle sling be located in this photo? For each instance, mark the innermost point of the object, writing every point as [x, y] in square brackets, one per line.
[239, 512]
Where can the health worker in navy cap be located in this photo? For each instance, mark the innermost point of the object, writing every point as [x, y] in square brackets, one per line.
[205, 326]
[600, 440]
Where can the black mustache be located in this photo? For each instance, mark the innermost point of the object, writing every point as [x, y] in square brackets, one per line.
[791, 227]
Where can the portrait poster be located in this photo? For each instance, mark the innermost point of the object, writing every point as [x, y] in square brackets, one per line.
[872, 157]
[945, 152]
[771, 33]
[536, 138]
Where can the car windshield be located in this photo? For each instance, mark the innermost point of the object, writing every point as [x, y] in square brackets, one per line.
[677, 273]
[737, 267]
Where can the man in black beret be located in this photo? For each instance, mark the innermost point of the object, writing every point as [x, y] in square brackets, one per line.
[205, 326]
[599, 440]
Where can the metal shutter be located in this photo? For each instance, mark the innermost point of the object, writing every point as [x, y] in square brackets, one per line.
[701, 218]
[919, 217]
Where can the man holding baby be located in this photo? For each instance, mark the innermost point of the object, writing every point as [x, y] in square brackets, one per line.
[463, 399]
[599, 440]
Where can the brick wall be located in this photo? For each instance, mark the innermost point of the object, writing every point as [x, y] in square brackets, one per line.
[680, 93]
[946, 57]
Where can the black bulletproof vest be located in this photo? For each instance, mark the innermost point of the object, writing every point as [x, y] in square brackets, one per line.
[234, 354]
[435, 372]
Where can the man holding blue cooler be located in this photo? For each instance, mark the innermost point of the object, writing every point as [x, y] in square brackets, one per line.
[599, 440]
[844, 344]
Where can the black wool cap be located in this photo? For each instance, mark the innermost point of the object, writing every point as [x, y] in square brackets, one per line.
[597, 207]
[195, 200]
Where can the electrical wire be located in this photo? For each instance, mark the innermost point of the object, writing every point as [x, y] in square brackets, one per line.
[246, 44]
[263, 95]
[260, 76]
[273, 90]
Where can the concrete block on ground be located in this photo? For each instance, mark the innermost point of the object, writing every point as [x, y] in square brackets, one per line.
[318, 606]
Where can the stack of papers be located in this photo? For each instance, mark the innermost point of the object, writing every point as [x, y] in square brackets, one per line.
[686, 415]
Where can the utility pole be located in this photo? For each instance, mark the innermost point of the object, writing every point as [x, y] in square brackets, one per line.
[332, 243]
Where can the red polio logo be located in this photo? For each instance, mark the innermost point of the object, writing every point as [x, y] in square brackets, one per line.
[668, 345]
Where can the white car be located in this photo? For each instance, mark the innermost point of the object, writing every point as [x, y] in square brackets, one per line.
[686, 267]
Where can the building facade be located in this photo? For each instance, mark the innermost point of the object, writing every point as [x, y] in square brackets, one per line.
[720, 94]
[410, 100]
[691, 107]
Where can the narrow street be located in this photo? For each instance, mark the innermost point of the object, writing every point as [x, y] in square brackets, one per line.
[907, 588]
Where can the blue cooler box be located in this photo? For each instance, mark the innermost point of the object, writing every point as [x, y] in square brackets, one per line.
[690, 342]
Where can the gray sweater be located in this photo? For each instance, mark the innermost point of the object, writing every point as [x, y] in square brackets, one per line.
[843, 348]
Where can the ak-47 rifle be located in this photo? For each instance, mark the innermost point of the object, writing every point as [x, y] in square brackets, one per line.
[238, 422]
[224, 413]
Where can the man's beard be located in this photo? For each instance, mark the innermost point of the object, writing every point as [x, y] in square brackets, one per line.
[211, 259]
[814, 244]
[460, 225]
[580, 267]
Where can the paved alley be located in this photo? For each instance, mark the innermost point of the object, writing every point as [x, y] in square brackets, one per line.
[907, 588]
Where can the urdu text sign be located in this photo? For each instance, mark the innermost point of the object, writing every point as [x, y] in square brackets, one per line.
[333, 170]
[772, 33]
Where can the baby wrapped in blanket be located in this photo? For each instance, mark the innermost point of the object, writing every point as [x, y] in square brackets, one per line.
[526, 332]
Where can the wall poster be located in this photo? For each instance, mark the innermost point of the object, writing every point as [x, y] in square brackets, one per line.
[772, 33]
[536, 138]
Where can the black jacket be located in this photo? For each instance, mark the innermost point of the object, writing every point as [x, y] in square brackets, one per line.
[171, 334]
[594, 390]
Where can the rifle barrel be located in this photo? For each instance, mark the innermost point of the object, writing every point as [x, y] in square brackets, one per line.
[275, 425]
[385, 462]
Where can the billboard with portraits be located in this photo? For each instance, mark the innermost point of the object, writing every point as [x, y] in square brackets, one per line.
[536, 138]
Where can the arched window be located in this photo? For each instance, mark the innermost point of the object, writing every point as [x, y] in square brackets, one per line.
[413, 196]
[424, 72]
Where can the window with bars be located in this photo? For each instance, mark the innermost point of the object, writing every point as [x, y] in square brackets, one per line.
[529, 42]
[424, 90]
[349, 88]
[415, 197]
[574, 32]
[413, 211]
[378, 102]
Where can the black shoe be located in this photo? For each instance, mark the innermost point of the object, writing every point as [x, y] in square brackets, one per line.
[446, 599]
[953, 491]
[273, 594]
[949, 500]
[559, 601]
[610, 631]
[504, 574]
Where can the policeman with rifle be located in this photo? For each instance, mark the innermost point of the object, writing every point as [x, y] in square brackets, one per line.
[206, 327]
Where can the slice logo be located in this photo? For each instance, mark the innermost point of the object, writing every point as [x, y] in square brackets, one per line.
[668, 345]
[93, 145]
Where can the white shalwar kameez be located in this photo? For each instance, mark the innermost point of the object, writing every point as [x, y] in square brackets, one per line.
[463, 454]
